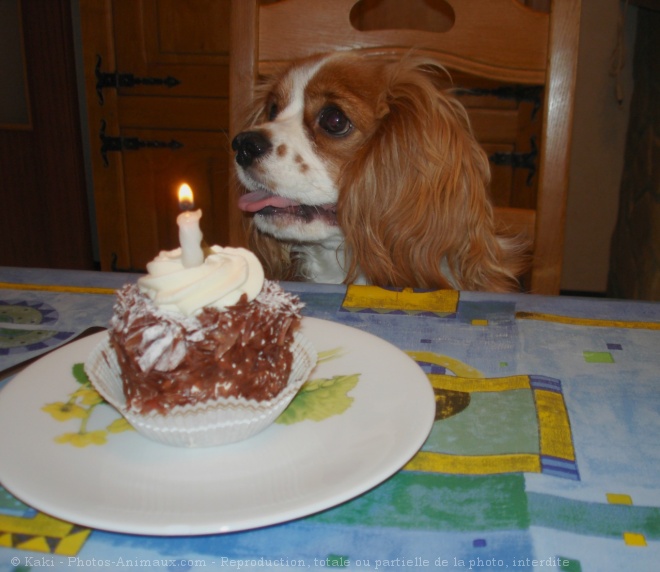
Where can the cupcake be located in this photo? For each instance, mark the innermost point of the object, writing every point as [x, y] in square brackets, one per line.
[203, 355]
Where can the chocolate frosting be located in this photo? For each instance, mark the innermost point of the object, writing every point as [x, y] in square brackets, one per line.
[170, 359]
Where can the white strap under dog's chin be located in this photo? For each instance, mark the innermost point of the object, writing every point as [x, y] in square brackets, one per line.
[447, 273]
[320, 263]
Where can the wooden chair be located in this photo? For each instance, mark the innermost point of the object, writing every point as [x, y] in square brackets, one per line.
[500, 40]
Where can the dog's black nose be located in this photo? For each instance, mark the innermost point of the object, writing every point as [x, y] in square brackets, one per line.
[250, 145]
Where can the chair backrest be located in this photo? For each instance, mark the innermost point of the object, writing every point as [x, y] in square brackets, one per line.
[501, 40]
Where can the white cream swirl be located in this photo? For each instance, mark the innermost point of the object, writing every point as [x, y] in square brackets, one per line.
[225, 275]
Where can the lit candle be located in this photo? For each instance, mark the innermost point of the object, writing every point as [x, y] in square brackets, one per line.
[190, 235]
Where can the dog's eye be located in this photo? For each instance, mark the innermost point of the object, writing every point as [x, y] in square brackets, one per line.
[333, 121]
[272, 111]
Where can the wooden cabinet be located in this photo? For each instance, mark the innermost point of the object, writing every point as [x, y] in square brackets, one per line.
[156, 74]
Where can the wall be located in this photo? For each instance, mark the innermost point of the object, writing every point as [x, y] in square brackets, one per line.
[44, 220]
[14, 108]
[599, 136]
[635, 261]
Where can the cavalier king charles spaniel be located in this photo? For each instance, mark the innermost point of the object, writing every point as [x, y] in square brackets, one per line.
[361, 170]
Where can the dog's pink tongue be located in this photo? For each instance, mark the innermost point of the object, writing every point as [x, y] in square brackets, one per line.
[257, 200]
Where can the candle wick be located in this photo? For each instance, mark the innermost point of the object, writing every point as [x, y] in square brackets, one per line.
[186, 205]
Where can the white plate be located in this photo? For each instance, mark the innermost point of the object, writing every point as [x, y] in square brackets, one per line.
[133, 485]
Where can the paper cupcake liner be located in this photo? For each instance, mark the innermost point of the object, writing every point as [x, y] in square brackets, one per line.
[213, 422]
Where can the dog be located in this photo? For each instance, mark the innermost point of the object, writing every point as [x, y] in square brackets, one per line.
[365, 170]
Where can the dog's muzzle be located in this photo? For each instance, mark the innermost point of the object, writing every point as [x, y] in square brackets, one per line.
[250, 145]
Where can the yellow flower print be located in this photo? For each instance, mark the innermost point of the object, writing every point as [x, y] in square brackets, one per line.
[81, 405]
[119, 425]
[83, 439]
[65, 411]
[87, 396]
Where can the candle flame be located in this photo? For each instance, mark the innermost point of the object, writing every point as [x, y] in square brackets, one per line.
[186, 201]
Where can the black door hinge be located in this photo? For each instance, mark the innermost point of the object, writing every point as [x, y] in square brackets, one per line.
[519, 160]
[117, 80]
[109, 144]
[517, 93]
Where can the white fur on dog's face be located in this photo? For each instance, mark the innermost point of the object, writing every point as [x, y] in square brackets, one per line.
[316, 117]
[292, 169]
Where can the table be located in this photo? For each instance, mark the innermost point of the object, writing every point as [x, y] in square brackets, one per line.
[545, 455]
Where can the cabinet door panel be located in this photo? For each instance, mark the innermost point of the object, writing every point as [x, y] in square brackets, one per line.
[185, 40]
[151, 181]
[146, 41]
[174, 113]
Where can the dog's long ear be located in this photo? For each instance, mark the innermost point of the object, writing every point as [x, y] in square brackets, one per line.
[253, 110]
[415, 198]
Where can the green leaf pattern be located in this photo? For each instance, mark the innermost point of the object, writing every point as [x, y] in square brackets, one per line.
[319, 399]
